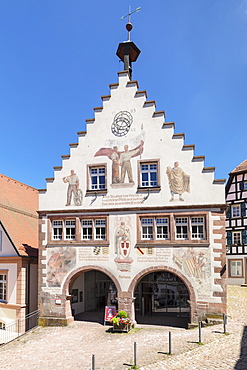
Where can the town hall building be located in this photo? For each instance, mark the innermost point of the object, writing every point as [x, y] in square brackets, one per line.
[132, 218]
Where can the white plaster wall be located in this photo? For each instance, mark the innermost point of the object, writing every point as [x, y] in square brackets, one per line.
[7, 248]
[7, 315]
[158, 143]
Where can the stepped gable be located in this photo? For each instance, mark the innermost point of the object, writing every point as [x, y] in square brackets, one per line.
[241, 167]
[18, 214]
[145, 104]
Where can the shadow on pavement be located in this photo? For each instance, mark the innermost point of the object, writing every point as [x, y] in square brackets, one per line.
[242, 362]
[179, 322]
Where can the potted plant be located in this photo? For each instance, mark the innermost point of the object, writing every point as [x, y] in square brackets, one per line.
[121, 322]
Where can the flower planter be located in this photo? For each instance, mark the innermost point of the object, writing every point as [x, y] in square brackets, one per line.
[122, 328]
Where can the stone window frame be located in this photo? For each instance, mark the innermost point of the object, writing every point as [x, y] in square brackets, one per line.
[148, 162]
[78, 230]
[172, 229]
[154, 226]
[4, 272]
[63, 227]
[96, 166]
[229, 268]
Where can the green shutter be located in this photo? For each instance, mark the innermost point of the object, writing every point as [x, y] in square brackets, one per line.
[243, 210]
[228, 211]
[244, 237]
[229, 238]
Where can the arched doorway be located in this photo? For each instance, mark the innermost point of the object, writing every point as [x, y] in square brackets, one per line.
[90, 292]
[162, 298]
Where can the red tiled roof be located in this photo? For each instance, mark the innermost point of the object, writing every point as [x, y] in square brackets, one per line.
[18, 213]
[241, 167]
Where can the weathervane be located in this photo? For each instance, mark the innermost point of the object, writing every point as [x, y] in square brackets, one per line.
[129, 25]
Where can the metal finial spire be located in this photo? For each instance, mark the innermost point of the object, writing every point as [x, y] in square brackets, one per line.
[129, 25]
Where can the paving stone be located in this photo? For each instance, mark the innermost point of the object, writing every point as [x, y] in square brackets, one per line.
[72, 347]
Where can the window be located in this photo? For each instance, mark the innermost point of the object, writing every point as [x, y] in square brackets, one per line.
[236, 210]
[100, 230]
[87, 229]
[147, 228]
[162, 228]
[149, 174]
[70, 229]
[57, 230]
[97, 178]
[3, 287]
[94, 229]
[63, 229]
[181, 227]
[154, 228]
[237, 237]
[243, 185]
[2, 325]
[235, 268]
[197, 227]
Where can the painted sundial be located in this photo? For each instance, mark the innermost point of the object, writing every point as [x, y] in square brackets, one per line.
[121, 123]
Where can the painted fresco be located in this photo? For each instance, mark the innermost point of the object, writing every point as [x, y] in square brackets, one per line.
[73, 188]
[179, 181]
[122, 243]
[195, 263]
[59, 262]
[121, 161]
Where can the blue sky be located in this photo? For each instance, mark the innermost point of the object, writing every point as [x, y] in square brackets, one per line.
[57, 58]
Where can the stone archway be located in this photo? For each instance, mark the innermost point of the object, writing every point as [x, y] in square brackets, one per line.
[74, 275]
[155, 269]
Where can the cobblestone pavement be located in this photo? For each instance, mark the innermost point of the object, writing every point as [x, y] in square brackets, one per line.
[72, 347]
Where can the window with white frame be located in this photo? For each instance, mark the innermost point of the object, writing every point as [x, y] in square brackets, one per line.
[235, 268]
[197, 228]
[147, 228]
[181, 224]
[236, 210]
[162, 231]
[97, 178]
[69, 229]
[93, 229]
[149, 174]
[87, 229]
[237, 237]
[57, 229]
[154, 228]
[3, 286]
[245, 185]
[100, 229]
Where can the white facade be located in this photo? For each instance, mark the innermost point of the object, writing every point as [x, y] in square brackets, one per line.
[166, 214]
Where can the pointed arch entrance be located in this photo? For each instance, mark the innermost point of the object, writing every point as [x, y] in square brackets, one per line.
[90, 288]
[163, 297]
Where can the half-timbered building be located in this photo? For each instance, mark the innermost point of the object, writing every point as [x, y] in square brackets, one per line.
[236, 225]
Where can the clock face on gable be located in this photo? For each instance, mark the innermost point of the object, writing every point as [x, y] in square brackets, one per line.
[121, 123]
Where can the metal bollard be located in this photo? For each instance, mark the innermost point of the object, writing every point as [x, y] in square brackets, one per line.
[200, 331]
[170, 343]
[224, 322]
[135, 362]
[93, 362]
